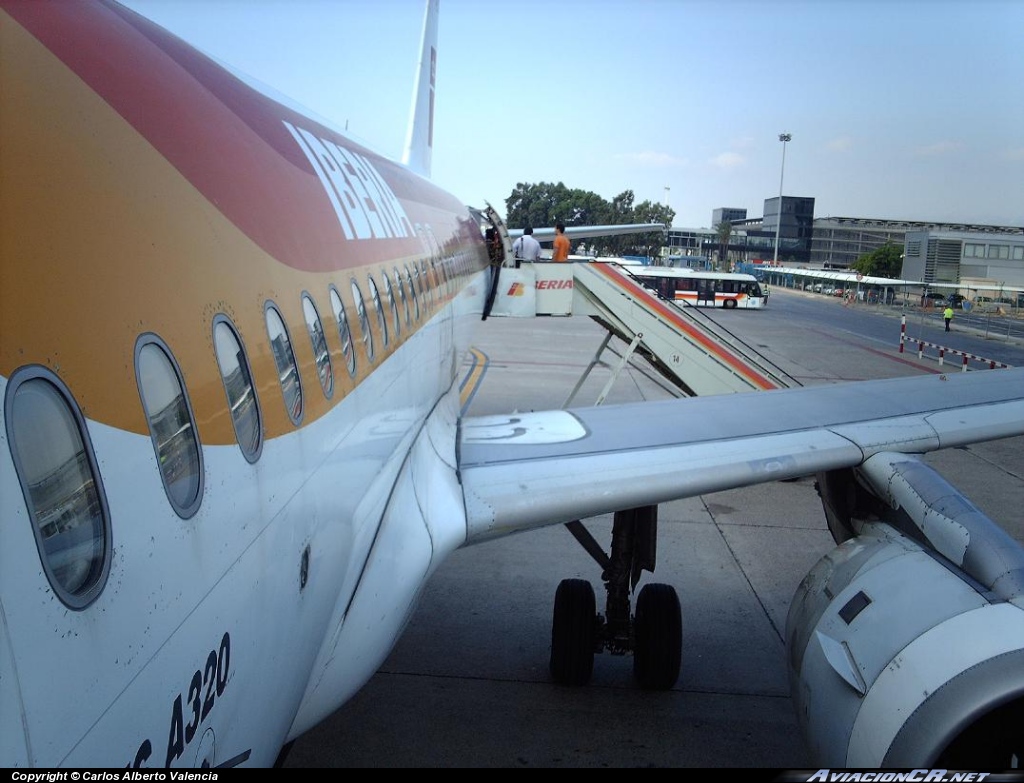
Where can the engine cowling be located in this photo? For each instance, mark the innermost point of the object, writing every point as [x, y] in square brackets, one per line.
[906, 642]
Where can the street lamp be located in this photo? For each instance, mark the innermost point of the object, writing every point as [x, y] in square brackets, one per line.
[783, 137]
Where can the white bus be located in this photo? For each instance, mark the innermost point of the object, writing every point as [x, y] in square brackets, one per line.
[703, 289]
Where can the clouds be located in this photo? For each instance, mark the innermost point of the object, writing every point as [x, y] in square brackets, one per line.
[651, 159]
[660, 160]
[727, 160]
[938, 148]
[839, 144]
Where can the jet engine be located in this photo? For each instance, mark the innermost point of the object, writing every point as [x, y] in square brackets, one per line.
[905, 644]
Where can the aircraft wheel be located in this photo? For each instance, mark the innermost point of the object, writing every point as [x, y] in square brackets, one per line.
[658, 637]
[573, 632]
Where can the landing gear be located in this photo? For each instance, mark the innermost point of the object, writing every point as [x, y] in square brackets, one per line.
[658, 634]
[653, 635]
[573, 632]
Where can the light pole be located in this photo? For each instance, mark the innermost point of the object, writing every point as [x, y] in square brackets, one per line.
[667, 189]
[783, 137]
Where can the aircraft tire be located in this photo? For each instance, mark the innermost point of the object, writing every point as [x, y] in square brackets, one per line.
[658, 637]
[573, 632]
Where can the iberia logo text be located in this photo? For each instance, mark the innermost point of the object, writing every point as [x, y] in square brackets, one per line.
[553, 284]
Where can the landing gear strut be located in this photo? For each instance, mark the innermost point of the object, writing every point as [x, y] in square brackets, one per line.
[653, 635]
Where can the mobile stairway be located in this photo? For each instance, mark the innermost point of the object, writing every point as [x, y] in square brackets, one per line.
[691, 350]
[683, 343]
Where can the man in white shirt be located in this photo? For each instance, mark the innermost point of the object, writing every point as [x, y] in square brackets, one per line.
[526, 248]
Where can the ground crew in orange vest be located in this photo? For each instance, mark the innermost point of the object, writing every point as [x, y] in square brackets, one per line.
[561, 250]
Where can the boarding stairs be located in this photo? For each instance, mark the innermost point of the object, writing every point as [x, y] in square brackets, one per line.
[696, 355]
[690, 349]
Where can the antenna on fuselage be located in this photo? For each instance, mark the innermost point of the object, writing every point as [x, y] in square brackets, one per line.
[419, 143]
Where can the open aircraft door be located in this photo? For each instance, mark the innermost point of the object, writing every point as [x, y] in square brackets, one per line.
[514, 290]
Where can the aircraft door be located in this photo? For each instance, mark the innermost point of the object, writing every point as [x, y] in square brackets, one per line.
[505, 257]
[499, 249]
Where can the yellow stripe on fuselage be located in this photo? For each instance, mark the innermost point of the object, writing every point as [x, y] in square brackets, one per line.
[104, 240]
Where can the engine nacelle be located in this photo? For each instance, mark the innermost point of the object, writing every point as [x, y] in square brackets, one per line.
[906, 642]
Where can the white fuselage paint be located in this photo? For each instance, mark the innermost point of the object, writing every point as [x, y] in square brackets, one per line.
[204, 590]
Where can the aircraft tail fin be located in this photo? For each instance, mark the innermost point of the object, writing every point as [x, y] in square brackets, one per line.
[419, 143]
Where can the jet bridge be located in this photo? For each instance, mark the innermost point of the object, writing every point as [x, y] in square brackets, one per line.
[691, 350]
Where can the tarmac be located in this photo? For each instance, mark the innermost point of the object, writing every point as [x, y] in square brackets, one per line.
[468, 685]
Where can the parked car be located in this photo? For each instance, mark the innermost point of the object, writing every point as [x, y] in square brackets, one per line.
[956, 300]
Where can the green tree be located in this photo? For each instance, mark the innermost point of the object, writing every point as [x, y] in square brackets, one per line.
[650, 212]
[545, 203]
[724, 230]
[886, 261]
[533, 204]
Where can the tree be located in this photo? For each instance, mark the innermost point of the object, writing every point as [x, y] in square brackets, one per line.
[886, 261]
[543, 204]
[651, 212]
[724, 230]
[534, 205]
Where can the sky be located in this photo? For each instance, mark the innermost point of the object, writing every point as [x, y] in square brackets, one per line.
[898, 109]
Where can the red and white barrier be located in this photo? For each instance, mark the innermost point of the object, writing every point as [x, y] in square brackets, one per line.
[943, 350]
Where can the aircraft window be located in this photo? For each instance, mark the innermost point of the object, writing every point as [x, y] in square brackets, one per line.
[435, 280]
[444, 274]
[171, 424]
[379, 307]
[321, 355]
[425, 282]
[412, 291]
[364, 321]
[389, 292]
[400, 285]
[60, 482]
[343, 331]
[439, 280]
[284, 358]
[237, 377]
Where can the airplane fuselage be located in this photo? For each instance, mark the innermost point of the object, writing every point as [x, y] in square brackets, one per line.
[177, 586]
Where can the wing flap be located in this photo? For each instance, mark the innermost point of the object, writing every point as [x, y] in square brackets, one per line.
[529, 470]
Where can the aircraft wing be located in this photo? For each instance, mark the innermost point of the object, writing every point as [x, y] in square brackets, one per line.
[529, 470]
[583, 232]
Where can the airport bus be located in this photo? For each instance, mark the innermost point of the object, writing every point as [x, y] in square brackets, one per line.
[704, 289]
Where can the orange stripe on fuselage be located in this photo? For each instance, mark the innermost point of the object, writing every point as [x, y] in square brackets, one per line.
[228, 140]
[716, 349]
[104, 239]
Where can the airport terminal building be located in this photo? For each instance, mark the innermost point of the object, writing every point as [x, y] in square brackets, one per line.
[950, 256]
[752, 238]
[933, 252]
